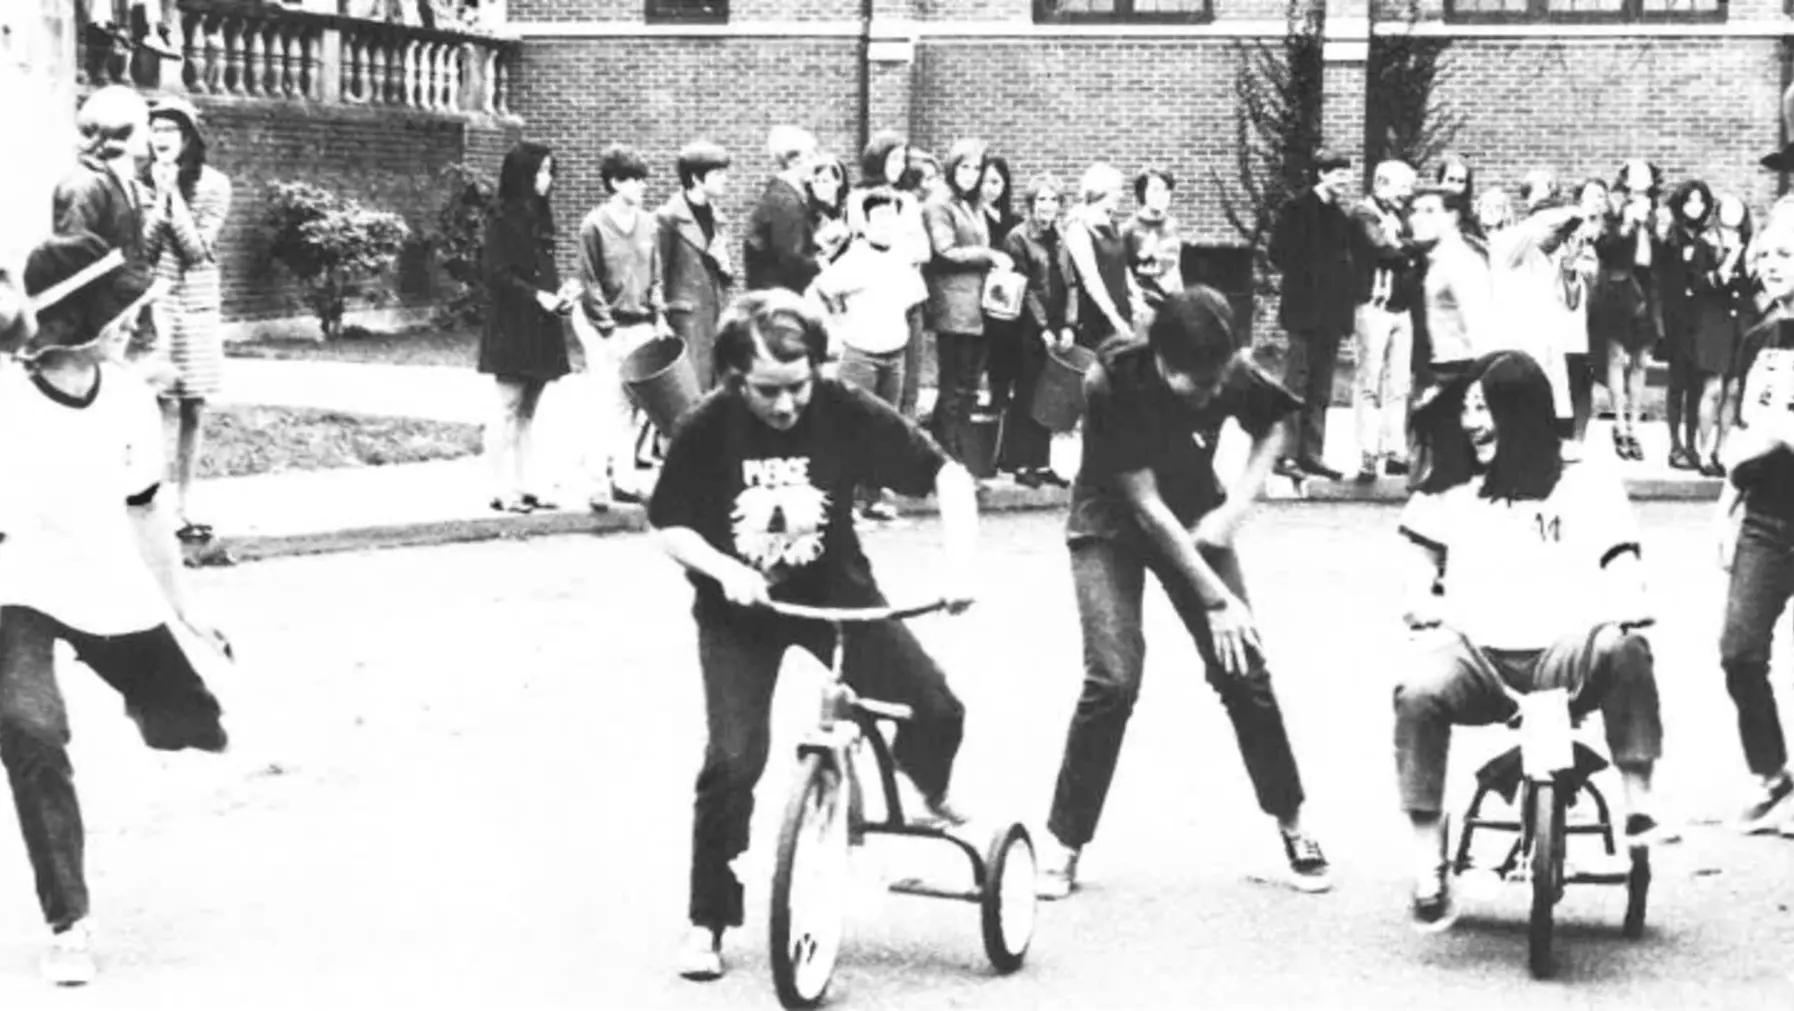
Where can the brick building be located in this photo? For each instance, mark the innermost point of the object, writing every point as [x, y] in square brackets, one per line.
[1576, 85]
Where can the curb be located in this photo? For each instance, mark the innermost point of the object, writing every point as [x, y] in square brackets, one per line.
[230, 550]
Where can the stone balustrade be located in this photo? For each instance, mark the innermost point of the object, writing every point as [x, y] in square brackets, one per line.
[235, 49]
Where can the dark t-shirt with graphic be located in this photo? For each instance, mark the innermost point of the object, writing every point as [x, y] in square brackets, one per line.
[1133, 421]
[1766, 361]
[783, 501]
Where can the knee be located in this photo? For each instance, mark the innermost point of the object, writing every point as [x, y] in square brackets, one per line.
[1112, 677]
[1418, 698]
[30, 731]
[734, 764]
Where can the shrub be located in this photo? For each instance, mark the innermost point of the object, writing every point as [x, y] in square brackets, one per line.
[460, 240]
[336, 248]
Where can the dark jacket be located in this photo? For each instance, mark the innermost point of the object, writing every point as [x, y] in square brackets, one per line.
[960, 235]
[521, 339]
[696, 275]
[1386, 267]
[92, 198]
[779, 250]
[1052, 299]
[1312, 246]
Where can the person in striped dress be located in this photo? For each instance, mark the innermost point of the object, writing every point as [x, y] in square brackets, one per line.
[186, 211]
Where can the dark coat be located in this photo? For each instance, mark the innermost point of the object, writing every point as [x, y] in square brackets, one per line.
[1313, 246]
[779, 250]
[92, 198]
[696, 275]
[1052, 299]
[521, 340]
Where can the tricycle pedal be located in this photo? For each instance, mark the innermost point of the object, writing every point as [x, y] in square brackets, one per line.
[928, 890]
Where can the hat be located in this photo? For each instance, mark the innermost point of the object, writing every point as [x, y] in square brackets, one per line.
[1783, 160]
[176, 108]
[1326, 160]
[78, 285]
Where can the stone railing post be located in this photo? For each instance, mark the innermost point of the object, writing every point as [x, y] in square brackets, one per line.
[329, 87]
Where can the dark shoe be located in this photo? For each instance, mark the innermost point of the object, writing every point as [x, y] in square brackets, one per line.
[533, 502]
[1288, 467]
[625, 496]
[1367, 474]
[1308, 867]
[1634, 451]
[501, 505]
[194, 533]
[1713, 468]
[1682, 459]
[1395, 468]
[1028, 478]
[1434, 910]
[1318, 469]
[1765, 810]
[1051, 477]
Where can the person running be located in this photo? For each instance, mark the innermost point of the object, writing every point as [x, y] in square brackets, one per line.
[1524, 565]
[1755, 521]
[88, 557]
[756, 503]
[1147, 498]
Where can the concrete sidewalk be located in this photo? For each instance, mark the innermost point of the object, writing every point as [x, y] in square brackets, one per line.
[416, 504]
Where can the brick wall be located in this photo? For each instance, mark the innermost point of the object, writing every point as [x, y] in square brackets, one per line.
[388, 158]
[659, 94]
[1701, 108]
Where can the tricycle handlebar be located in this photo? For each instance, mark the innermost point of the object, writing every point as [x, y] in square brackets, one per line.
[853, 615]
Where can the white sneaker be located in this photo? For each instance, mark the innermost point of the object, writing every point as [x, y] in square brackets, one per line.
[1057, 869]
[69, 959]
[701, 954]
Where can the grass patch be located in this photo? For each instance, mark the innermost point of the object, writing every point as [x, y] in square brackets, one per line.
[456, 348]
[242, 440]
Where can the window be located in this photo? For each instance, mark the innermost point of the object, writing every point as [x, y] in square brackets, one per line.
[688, 11]
[1571, 11]
[1161, 11]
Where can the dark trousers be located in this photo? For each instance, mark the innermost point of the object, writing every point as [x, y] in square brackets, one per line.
[1762, 581]
[1003, 365]
[739, 653]
[1110, 577]
[1308, 372]
[961, 359]
[1582, 393]
[1027, 444]
[162, 693]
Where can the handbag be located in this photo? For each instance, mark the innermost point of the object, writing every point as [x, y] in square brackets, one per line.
[1003, 293]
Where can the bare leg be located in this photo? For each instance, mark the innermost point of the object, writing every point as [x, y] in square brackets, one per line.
[527, 403]
[1635, 388]
[171, 433]
[501, 439]
[1712, 399]
[186, 452]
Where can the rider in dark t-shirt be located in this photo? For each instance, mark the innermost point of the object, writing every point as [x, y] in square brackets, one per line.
[755, 501]
[1147, 498]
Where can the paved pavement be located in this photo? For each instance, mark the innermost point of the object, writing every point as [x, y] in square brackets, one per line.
[461, 778]
[417, 504]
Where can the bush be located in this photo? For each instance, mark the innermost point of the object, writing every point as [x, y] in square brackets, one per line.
[459, 242]
[335, 247]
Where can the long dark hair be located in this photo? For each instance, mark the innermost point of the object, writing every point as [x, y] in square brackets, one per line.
[836, 208]
[1004, 202]
[517, 185]
[1679, 199]
[192, 159]
[1528, 457]
[878, 151]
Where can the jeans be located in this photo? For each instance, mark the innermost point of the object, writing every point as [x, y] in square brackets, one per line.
[1110, 577]
[1308, 372]
[739, 653]
[961, 367]
[880, 374]
[1762, 581]
[912, 361]
[1385, 345]
[1602, 668]
[162, 693]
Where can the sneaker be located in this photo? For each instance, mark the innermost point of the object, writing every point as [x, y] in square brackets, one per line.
[939, 813]
[1308, 868]
[1644, 832]
[881, 511]
[1056, 869]
[1367, 474]
[69, 960]
[1435, 909]
[1763, 812]
[701, 954]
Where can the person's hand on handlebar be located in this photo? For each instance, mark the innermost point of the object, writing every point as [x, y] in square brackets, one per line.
[1235, 633]
[744, 586]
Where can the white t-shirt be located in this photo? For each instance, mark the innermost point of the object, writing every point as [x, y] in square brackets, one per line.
[1521, 575]
[70, 550]
[876, 287]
